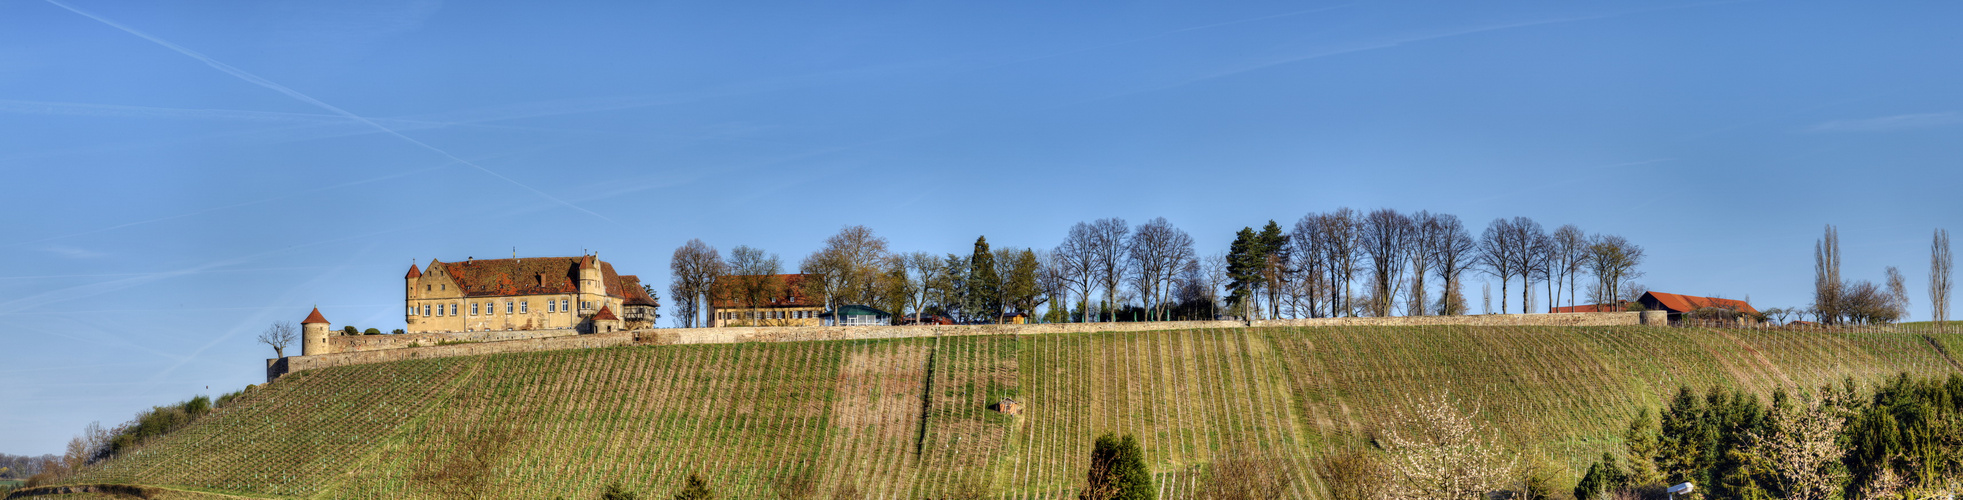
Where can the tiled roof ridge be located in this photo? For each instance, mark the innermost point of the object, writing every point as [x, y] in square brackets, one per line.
[605, 314]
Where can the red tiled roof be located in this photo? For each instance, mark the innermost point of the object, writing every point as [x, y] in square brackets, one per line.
[529, 276]
[630, 286]
[1687, 303]
[604, 314]
[315, 317]
[413, 272]
[1617, 307]
[790, 292]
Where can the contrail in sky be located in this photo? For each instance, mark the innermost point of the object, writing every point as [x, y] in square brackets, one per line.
[256, 80]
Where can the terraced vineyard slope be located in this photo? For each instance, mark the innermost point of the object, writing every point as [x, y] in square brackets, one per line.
[910, 418]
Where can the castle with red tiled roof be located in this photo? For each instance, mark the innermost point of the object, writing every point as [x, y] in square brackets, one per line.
[531, 293]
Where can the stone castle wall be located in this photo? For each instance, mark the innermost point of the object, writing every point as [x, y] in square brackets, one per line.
[358, 343]
[367, 349]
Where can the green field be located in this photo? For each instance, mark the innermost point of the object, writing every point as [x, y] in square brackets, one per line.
[908, 418]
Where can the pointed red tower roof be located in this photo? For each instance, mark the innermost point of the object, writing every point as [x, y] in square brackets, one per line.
[604, 314]
[314, 318]
[413, 272]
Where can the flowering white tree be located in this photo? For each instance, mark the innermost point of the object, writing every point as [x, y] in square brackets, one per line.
[1801, 451]
[1439, 452]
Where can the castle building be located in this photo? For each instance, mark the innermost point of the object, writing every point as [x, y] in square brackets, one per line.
[532, 293]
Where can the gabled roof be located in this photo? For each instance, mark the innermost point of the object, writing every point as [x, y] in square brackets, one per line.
[604, 314]
[630, 287]
[315, 317]
[1687, 303]
[530, 276]
[413, 272]
[790, 292]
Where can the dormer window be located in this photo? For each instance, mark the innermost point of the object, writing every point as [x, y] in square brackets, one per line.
[541, 280]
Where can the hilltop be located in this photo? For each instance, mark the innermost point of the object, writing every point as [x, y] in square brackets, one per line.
[910, 418]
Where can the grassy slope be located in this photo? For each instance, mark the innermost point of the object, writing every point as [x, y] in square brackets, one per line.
[538, 425]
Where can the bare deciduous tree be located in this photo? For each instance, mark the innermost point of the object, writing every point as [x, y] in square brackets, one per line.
[695, 267]
[1827, 286]
[1455, 251]
[1422, 252]
[1496, 256]
[1108, 239]
[1339, 247]
[1385, 238]
[752, 280]
[1311, 263]
[926, 272]
[1570, 255]
[1529, 253]
[1613, 261]
[1078, 254]
[1939, 287]
[279, 335]
[1155, 251]
[846, 269]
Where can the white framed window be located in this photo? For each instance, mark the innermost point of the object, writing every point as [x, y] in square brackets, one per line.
[425, 310]
[524, 307]
[551, 306]
[453, 309]
[507, 307]
[473, 308]
[566, 305]
[411, 311]
[439, 310]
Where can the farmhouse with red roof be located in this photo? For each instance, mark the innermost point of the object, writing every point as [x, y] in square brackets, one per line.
[1678, 305]
[532, 293]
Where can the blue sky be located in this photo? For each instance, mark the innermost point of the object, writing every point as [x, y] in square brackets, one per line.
[180, 175]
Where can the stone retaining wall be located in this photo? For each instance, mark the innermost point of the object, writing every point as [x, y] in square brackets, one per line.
[358, 343]
[550, 340]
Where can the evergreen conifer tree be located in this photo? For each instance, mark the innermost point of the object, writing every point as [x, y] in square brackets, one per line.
[1118, 471]
[984, 292]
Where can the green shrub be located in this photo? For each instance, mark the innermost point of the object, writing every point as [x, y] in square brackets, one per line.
[397, 331]
[615, 492]
[455, 342]
[372, 331]
[1118, 471]
[350, 330]
[197, 406]
[695, 489]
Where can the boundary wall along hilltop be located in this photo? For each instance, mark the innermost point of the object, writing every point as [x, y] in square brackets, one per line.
[363, 349]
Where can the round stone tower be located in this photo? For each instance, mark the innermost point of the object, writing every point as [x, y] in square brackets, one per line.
[313, 335]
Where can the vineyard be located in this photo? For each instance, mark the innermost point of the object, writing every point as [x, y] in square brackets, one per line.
[911, 418]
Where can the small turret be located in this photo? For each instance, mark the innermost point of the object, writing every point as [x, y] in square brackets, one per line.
[410, 282]
[313, 335]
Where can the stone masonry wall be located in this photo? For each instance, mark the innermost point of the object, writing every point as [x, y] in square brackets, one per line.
[501, 342]
[357, 343]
